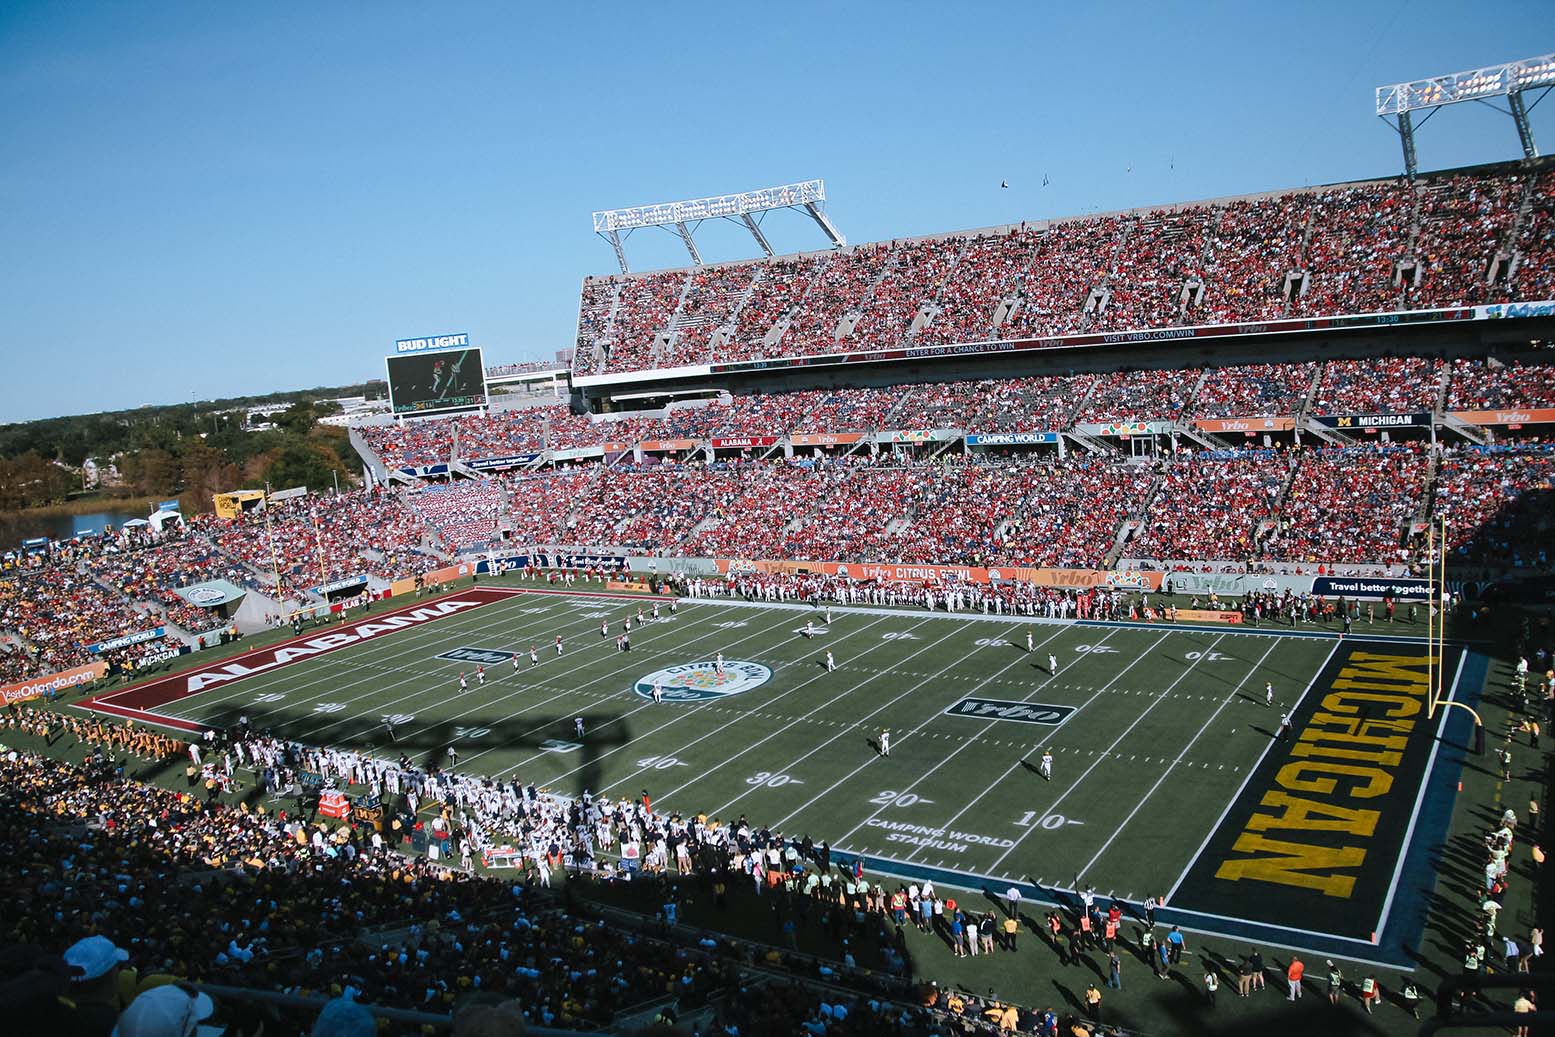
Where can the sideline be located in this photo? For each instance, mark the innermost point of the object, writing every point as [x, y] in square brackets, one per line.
[968, 616]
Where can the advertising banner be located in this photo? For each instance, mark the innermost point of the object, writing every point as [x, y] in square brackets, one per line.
[1126, 428]
[667, 444]
[1080, 579]
[460, 340]
[168, 505]
[922, 435]
[1370, 587]
[1207, 616]
[1510, 416]
[126, 640]
[743, 442]
[342, 584]
[491, 463]
[574, 453]
[422, 471]
[1011, 438]
[826, 438]
[21, 691]
[1232, 425]
[1419, 419]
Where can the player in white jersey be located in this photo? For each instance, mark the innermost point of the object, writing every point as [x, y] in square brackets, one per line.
[885, 742]
[1031, 642]
[831, 664]
[658, 691]
[604, 628]
[463, 684]
[828, 615]
[1047, 764]
[809, 628]
[577, 725]
[558, 644]
[718, 664]
[515, 662]
[534, 656]
[1052, 664]
[480, 676]
[1268, 693]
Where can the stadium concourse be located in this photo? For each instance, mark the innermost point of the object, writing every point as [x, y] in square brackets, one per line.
[1198, 564]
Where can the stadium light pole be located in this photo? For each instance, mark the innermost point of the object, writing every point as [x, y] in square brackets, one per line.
[682, 218]
[1397, 101]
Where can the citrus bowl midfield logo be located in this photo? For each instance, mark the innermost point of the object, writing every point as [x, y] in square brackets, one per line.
[701, 682]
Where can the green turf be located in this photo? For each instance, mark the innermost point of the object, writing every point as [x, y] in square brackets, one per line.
[1167, 724]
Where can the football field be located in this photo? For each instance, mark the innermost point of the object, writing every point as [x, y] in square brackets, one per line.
[1168, 775]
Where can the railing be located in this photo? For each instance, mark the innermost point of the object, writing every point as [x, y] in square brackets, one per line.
[397, 1015]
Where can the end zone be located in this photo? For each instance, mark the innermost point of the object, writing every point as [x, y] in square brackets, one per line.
[1314, 841]
[140, 701]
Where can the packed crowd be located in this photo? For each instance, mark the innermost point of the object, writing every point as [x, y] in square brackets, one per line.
[177, 557]
[1210, 506]
[1394, 385]
[1212, 263]
[61, 612]
[1349, 505]
[464, 514]
[1033, 403]
[324, 538]
[1498, 504]
[1493, 384]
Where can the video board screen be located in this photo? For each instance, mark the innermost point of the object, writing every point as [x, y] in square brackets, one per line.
[432, 381]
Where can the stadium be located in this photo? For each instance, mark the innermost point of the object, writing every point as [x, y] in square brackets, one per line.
[1078, 625]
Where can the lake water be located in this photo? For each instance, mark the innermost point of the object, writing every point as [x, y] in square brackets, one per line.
[18, 526]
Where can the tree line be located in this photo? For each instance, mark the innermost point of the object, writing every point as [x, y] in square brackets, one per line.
[189, 451]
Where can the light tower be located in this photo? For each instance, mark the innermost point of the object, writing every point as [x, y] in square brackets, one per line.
[1396, 103]
[809, 197]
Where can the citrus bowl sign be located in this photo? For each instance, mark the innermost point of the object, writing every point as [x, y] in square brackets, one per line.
[701, 681]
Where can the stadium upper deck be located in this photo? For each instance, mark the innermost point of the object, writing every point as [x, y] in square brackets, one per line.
[1459, 238]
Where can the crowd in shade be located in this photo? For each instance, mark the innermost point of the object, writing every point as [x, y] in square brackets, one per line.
[1340, 250]
[128, 893]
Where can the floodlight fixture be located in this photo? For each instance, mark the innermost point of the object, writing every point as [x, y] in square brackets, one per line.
[1397, 102]
[808, 196]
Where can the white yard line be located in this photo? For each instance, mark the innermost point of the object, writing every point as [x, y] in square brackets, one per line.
[1156, 701]
[697, 709]
[1250, 772]
[953, 753]
[417, 640]
[1172, 766]
[1023, 656]
[697, 634]
[851, 729]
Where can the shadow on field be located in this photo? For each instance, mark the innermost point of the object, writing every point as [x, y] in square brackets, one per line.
[427, 748]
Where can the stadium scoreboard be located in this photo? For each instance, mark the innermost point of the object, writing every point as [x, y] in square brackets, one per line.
[424, 382]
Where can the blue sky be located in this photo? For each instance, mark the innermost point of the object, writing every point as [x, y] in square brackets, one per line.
[202, 200]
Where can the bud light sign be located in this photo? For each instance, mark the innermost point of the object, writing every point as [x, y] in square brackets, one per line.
[421, 345]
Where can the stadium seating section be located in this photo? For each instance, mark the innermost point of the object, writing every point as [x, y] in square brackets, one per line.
[1364, 248]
